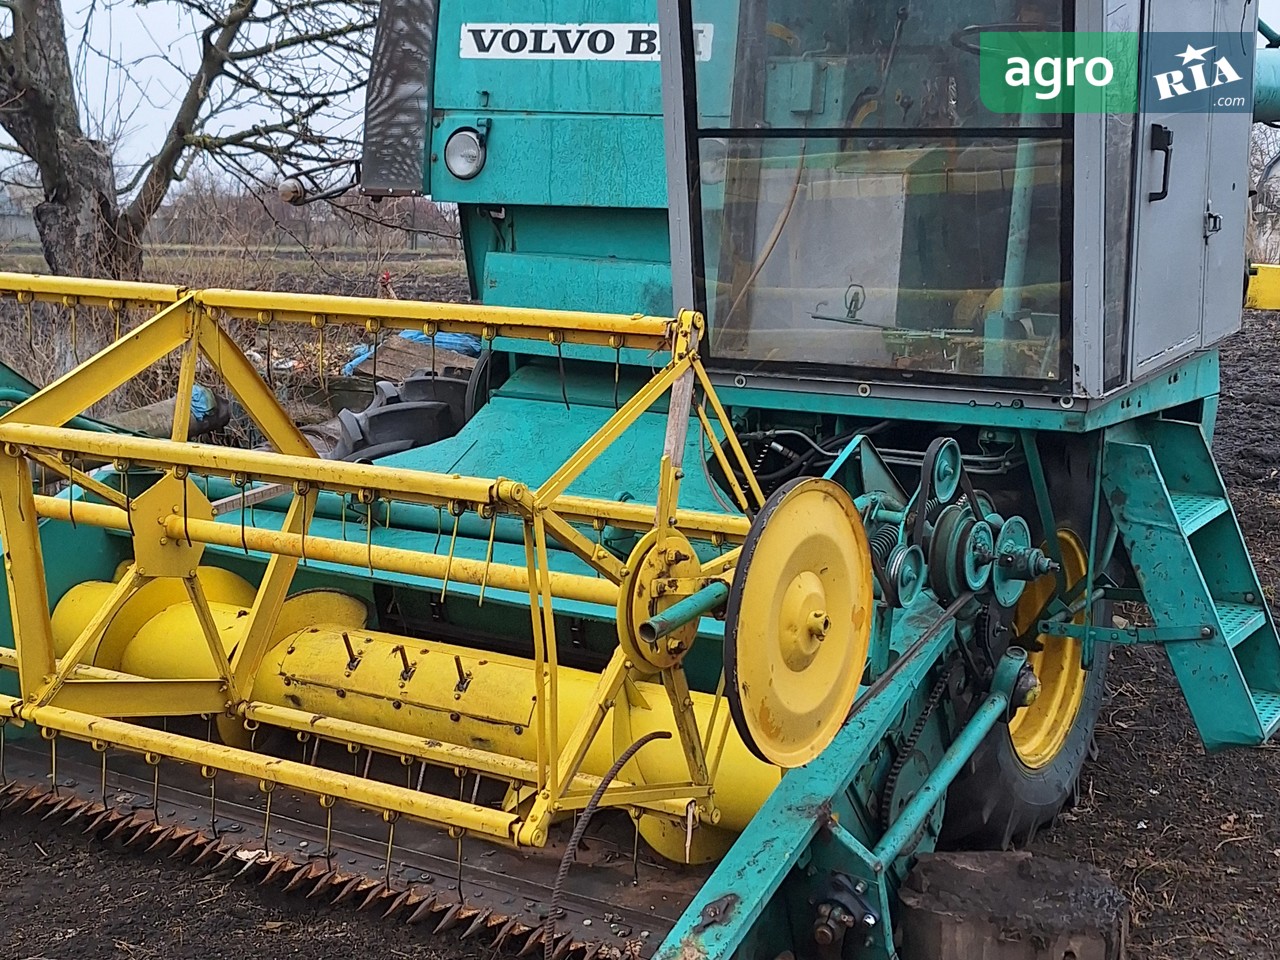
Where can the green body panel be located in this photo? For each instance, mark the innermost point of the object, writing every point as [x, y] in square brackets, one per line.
[622, 153]
[580, 283]
[1195, 379]
[575, 164]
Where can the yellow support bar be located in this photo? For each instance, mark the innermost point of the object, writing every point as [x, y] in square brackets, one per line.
[95, 379]
[613, 428]
[255, 396]
[412, 486]
[260, 625]
[350, 553]
[602, 329]
[24, 571]
[181, 431]
[263, 307]
[9, 661]
[141, 698]
[95, 293]
[78, 478]
[1264, 287]
[92, 632]
[441, 811]
[695, 524]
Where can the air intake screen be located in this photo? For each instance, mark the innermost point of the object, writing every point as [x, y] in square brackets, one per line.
[398, 98]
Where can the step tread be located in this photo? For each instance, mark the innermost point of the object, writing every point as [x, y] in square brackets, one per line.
[1267, 705]
[1194, 510]
[1239, 620]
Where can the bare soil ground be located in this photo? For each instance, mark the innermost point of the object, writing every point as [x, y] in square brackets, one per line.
[1193, 840]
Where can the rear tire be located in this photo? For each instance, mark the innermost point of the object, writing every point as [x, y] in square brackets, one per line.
[1013, 787]
[998, 801]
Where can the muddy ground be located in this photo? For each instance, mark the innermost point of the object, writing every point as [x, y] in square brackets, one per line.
[1193, 840]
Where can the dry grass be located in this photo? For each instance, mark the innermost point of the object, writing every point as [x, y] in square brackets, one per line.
[41, 341]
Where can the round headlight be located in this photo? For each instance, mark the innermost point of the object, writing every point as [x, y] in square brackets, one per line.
[464, 154]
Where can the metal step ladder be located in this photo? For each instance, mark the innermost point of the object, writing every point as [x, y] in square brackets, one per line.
[1184, 541]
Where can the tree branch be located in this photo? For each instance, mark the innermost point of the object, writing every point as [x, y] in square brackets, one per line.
[164, 167]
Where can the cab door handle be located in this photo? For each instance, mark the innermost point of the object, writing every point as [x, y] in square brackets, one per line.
[1162, 142]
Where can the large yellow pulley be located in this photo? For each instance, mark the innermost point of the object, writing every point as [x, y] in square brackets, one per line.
[798, 622]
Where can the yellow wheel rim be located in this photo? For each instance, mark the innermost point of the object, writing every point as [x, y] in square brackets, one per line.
[798, 622]
[1039, 730]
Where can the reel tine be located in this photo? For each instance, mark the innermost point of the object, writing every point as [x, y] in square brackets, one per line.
[423, 909]
[562, 947]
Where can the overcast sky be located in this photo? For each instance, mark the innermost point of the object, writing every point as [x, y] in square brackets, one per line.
[135, 62]
[136, 104]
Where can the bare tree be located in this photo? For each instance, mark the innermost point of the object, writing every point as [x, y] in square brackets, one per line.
[257, 98]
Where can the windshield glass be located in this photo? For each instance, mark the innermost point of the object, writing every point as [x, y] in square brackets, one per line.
[860, 208]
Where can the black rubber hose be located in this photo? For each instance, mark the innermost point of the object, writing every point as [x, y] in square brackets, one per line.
[549, 930]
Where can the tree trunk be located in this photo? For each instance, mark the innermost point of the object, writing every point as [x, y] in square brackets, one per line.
[82, 229]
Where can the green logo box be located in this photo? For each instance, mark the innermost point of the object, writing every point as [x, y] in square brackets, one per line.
[1024, 72]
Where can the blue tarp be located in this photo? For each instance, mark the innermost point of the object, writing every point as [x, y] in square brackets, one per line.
[202, 402]
[463, 343]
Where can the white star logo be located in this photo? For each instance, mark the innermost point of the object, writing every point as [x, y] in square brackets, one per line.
[1191, 53]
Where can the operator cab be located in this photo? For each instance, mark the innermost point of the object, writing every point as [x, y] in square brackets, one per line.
[828, 185]
[857, 205]
[856, 211]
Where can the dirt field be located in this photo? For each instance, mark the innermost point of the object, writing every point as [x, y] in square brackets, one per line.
[1193, 840]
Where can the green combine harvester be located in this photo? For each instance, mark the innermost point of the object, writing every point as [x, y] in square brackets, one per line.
[822, 415]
